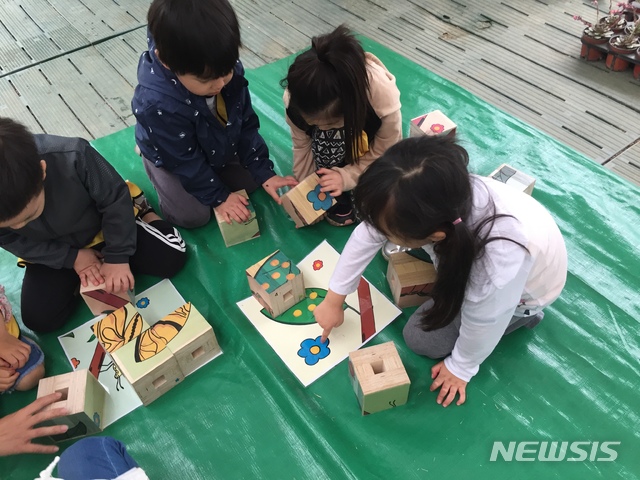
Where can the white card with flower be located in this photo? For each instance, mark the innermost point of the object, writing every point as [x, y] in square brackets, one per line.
[296, 337]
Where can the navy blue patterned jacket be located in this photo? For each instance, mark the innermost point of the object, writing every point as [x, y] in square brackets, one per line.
[177, 131]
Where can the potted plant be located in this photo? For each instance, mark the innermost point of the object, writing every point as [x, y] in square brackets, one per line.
[625, 44]
[596, 33]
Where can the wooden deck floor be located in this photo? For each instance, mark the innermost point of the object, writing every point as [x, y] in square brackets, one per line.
[69, 66]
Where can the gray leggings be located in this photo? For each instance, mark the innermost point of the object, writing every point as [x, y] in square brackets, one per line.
[183, 209]
[439, 343]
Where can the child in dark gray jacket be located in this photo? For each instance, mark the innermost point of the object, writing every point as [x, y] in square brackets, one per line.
[69, 216]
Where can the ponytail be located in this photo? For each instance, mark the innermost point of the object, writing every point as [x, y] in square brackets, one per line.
[421, 186]
[331, 80]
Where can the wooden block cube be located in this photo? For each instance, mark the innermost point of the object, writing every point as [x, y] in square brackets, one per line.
[195, 344]
[517, 179]
[276, 283]
[99, 300]
[82, 396]
[410, 279]
[151, 368]
[434, 124]
[378, 378]
[239, 232]
[305, 203]
[119, 327]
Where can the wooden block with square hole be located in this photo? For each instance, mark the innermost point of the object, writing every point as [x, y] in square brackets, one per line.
[147, 364]
[410, 279]
[305, 203]
[82, 396]
[515, 178]
[195, 343]
[433, 124]
[276, 283]
[378, 378]
[235, 232]
[99, 300]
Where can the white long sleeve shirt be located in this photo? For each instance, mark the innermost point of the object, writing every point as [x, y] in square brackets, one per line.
[506, 281]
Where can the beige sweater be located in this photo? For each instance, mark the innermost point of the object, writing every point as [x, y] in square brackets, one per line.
[384, 97]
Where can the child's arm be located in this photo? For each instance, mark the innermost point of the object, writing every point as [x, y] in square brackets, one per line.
[303, 164]
[389, 134]
[50, 253]
[364, 243]
[13, 352]
[111, 195]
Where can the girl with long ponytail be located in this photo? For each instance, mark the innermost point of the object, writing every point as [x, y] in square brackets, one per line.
[499, 255]
[343, 107]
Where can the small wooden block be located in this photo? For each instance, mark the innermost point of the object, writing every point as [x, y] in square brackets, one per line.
[151, 368]
[515, 178]
[119, 327]
[195, 344]
[99, 300]
[410, 279]
[239, 232]
[434, 124]
[305, 203]
[82, 396]
[276, 282]
[378, 378]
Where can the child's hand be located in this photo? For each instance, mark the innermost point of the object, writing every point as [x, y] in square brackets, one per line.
[18, 429]
[329, 314]
[8, 376]
[117, 277]
[87, 266]
[14, 352]
[234, 208]
[272, 185]
[448, 383]
[331, 181]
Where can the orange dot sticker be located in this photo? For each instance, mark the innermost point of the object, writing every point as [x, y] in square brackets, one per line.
[311, 307]
[275, 275]
[322, 196]
[291, 276]
[265, 285]
[285, 264]
[275, 262]
[313, 295]
[314, 350]
[297, 313]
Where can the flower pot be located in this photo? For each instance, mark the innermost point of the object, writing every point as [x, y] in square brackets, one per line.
[588, 51]
[615, 61]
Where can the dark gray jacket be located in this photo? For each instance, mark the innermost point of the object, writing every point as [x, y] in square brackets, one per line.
[83, 195]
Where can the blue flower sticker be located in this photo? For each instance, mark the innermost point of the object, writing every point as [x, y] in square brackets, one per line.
[319, 200]
[96, 418]
[143, 302]
[314, 350]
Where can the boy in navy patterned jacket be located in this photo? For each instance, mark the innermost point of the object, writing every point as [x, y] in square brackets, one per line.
[196, 131]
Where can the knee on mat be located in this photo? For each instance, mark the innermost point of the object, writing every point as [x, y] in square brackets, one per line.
[173, 262]
[193, 220]
[422, 343]
[31, 379]
[41, 320]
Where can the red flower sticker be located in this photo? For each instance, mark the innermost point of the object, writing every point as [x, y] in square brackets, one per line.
[317, 265]
[437, 128]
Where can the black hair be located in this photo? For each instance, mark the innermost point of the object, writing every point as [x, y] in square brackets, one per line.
[421, 186]
[331, 79]
[199, 37]
[20, 170]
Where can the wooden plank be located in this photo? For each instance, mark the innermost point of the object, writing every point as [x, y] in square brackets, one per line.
[36, 43]
[61, 32]
[13, 106]
[80, 97]
[47, 106]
